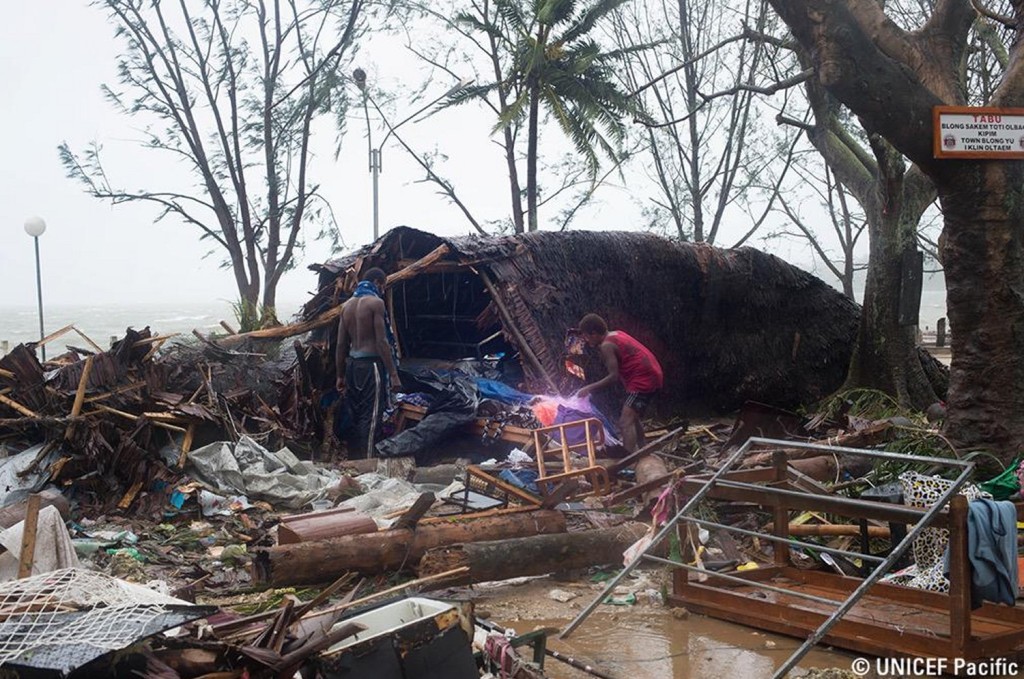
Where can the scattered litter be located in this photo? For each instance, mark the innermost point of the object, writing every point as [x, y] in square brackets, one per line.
[561, 595]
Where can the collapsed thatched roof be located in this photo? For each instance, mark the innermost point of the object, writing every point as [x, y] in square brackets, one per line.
[727, 325]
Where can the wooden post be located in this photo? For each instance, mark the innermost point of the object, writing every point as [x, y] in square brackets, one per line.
[76, 409]
[186, 445]
[940, 333]
[959, 578]
[28, 537]
[510, 325]
[780, 513]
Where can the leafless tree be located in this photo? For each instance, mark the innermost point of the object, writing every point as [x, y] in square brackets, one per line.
[700, 84]
[229, 90]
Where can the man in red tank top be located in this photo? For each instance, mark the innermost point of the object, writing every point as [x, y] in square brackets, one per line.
[632, 363]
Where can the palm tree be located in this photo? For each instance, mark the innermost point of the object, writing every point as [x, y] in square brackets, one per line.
[552, 61]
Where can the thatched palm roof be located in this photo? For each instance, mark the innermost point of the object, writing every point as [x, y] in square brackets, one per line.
[727, 325]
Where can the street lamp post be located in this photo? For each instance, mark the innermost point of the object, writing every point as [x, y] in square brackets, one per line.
[376, 154]
[35, 226]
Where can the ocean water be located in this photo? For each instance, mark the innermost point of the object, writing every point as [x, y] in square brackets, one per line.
[100, 322]
[933, 307]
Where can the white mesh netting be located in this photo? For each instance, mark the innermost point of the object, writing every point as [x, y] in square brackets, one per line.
[74, 608]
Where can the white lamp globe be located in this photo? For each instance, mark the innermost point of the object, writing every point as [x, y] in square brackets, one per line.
[35, 226]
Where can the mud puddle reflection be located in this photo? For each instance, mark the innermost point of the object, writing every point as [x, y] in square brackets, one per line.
[652, 644]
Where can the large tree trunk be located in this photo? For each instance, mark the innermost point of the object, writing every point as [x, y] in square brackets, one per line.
[310, 563]
[536, 555]
[886, 356]
[984, 215]
[893, 79]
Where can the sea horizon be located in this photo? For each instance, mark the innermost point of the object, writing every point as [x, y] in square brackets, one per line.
[19, 324]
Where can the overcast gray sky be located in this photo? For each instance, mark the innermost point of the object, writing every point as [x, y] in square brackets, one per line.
[56, 53]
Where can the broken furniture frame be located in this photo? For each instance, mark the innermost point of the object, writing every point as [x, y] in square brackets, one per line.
[492, 484]
[593, 437]
[999, 630]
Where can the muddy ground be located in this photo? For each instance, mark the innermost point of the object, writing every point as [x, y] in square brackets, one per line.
[645, 640]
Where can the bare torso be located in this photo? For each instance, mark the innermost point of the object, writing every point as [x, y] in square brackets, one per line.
[362, 334]
[359, 317]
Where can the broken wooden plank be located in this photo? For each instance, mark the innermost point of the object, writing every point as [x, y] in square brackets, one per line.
[129, 497]
[323, 526]
[76, 408]
[96, 347]
[509, 324]
[28, 537]
[114, 392]
[186, 445]
[454, 573]
[10, 402]
[418, 266]
[155, 339]
[281, 332]
[54, 335]
[411, 516]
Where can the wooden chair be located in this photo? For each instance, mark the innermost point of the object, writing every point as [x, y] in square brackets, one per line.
[553, 443]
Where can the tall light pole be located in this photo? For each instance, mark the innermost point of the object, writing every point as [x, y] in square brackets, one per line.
[35, 226]
[376, 157]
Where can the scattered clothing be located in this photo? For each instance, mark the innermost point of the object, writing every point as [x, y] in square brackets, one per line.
[992, 551]
[499, 391]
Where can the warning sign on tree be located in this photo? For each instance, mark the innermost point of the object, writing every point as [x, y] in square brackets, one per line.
[978, 132]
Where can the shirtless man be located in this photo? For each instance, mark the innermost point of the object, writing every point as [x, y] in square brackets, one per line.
[631, 363]
[365, 362]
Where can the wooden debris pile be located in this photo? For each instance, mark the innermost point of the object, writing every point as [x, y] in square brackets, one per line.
[105, 415]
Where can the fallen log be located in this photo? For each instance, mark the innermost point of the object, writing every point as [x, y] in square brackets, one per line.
[645, 450]
[535, 555]
[333, 523]
[320, 561]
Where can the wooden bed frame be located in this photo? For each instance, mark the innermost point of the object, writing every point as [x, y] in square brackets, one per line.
[888, 620]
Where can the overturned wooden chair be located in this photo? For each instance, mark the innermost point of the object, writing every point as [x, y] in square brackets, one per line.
[552, 443]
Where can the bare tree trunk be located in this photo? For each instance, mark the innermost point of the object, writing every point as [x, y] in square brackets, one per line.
[531, 157]
[508, 134]
[886, 356]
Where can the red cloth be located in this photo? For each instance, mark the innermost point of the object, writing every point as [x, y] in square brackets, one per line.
[638, 368]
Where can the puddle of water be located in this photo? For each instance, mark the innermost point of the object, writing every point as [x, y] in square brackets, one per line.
[654, 645]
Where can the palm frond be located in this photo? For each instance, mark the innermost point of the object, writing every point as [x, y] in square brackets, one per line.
[588, 19]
